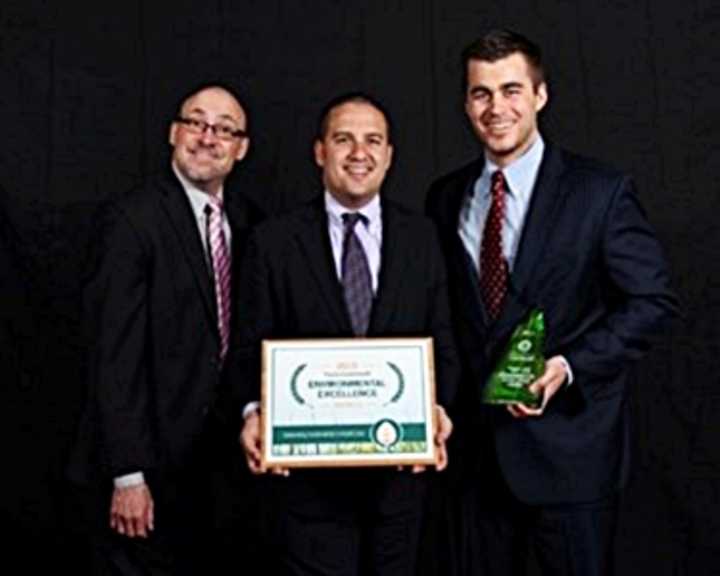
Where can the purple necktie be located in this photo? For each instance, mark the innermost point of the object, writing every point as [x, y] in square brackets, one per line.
[356, 281]
[220, 258]
[493, 266]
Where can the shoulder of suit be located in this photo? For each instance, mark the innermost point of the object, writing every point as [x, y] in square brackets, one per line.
[405, 214]
[239, 201]
[458, 175]
[292, 219]
[580, 166]
[135, 209]
[142, 196]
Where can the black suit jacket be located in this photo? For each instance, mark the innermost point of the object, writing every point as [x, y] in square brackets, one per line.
[154, 374]
[290, 289]
[587, 258]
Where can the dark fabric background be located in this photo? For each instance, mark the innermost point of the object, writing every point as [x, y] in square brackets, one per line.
[87, 90]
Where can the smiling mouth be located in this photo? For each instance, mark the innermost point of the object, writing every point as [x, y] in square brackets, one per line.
[202, 154]
[499, 128]
[358, 171]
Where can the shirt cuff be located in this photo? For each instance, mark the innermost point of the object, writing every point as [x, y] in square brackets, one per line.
[250, 407]
[129, 480]
[568, 370]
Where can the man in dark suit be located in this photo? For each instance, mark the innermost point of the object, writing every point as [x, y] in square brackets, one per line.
[295, 285]
[160, 315]
[530, 226]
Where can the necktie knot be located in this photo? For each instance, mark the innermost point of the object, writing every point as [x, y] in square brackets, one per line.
[350, 219]
[214, 205]
[497, 184]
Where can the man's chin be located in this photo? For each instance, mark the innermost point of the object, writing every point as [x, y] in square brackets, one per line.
[500, 152]
[199, 177]
[501, 145]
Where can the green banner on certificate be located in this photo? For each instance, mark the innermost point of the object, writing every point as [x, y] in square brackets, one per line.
[522, 362]
[348, 402]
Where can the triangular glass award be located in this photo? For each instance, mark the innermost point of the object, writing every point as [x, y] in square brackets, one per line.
[521, 363]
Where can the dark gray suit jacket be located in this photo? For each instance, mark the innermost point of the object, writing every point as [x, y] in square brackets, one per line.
[154, 375]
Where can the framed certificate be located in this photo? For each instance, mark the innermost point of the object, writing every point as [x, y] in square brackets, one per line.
[348, 402]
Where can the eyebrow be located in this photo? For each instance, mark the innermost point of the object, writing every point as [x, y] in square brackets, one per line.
[365, 135]
[221, 116]
[482, 88]
[512, 84]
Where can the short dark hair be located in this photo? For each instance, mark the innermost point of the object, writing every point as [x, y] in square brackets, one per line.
[351, 97]
[501, 43]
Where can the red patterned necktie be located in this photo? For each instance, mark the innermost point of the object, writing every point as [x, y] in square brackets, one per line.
[493, 267]
[220, 258]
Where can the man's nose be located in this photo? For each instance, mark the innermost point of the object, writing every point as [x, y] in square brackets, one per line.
[358, 150]
[497, 103]
[208, 135]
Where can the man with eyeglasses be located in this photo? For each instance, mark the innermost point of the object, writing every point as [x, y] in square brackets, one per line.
[160, 312]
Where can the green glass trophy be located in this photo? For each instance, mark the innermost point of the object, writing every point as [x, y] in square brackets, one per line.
[522, 363]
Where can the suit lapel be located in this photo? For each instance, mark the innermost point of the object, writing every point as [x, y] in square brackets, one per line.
[314, 244]
[539, 223]
[470, 291]
[395, 252]
[236, 213]
[239, 219]
[180, 215]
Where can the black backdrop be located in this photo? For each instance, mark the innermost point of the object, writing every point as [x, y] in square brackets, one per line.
[87, 90]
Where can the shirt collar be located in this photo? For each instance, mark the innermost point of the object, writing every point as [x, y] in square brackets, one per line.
[371, 211]
[198, 198]
[521, 174]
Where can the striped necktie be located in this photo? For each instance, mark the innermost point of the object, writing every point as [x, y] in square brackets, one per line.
[220, 259]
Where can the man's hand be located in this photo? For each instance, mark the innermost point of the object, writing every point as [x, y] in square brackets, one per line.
[132, 511]
[251, 442]
[443, 430]
[546, 386]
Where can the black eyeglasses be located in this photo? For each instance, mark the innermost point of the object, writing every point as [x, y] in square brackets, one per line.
[221, 131]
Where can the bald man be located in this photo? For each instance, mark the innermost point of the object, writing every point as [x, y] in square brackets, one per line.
[160, 320]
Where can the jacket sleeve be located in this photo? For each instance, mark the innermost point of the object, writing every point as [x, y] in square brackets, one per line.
[642, 300]
[119, 383]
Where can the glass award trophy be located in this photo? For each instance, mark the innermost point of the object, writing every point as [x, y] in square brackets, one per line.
[521, 363]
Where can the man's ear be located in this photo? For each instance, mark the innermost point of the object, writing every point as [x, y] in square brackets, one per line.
[541, 96]
[242, 149]
[319, 150]
[172, 134]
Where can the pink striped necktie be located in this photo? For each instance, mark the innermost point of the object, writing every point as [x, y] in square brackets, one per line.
[220, 257]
